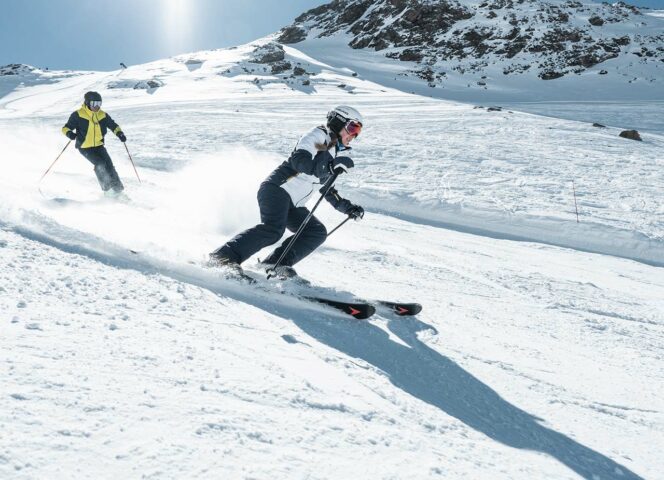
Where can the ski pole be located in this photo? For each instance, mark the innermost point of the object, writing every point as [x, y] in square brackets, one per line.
[132, 162]
[325, 189]
[56, 159]
[338, 226]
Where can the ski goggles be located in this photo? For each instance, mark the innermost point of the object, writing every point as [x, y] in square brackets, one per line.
[95, 103]
[353, 128]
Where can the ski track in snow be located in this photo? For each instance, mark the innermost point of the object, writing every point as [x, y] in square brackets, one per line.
[528, 361]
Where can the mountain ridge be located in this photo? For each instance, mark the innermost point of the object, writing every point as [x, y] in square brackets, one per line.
[552, 38]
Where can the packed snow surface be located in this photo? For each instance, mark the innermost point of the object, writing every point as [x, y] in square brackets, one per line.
[538, 353]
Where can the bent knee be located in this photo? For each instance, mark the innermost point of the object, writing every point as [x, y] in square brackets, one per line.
[318, 232]
[273, 232]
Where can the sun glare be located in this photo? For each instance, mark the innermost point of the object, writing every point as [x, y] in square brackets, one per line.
[177, 15]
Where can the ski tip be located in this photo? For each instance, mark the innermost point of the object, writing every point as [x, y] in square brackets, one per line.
[403, 309]
[411, 309]
[359, 311]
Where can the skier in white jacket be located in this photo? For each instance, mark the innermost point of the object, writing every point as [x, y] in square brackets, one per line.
[282, 196]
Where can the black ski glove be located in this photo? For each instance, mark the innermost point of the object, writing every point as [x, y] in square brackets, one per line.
[355, 212]
[122, 137]
[71, 135]
[344, 163]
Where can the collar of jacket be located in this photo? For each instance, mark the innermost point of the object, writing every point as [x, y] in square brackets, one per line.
[340, 147]
[86, 113]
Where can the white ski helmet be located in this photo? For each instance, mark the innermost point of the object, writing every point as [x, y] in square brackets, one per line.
[339, 116]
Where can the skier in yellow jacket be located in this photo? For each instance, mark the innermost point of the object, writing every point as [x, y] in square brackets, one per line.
[88, 126]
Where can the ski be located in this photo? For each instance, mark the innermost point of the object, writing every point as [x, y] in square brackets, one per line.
[360, 311]
[360, 308]
[401, 309]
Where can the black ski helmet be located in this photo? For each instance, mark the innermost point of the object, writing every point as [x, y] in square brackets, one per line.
[91, 97]
[339, 116]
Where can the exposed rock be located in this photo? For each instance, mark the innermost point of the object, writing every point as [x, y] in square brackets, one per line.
[410, 55]
[354, 11]
[16, 69]
[596, 21]
[292, 34]
[599, 125]
[515, 68]
[299, 71]
[426, 74]
[268, 53]
[280, 67]
[148, 84]
[591, 59]
[631, 134]
[622, 41]
[551, 75]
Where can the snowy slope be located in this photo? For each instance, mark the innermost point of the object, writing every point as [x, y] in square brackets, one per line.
[500, 172]
[530, 360]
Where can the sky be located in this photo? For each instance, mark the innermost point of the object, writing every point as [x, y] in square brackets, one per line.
[84, 35]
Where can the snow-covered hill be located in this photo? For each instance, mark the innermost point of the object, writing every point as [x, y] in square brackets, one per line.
[501, 49]
[532, 358]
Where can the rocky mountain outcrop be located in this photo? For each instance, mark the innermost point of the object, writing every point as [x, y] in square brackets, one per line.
[552, 38]
[268, 63]
[15, 69]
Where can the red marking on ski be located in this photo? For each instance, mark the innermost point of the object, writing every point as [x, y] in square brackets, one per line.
[353, 312]
[402, 310]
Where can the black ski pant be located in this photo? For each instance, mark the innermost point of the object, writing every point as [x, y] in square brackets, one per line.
[277, 214]
[106, 175]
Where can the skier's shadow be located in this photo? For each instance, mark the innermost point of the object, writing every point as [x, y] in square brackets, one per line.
[433, 378]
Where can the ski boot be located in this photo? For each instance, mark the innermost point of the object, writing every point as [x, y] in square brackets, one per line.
[283, 273]
[118, 195]
[230, 268]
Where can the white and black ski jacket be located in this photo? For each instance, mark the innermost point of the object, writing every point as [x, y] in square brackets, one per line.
[307, 168]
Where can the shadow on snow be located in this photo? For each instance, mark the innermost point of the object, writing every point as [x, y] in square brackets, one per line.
[435, 379]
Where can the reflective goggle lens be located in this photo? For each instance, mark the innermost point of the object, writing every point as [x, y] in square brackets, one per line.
[353, 128]
[95, 103]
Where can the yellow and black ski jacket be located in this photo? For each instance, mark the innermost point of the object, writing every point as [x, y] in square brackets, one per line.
[90, 127]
